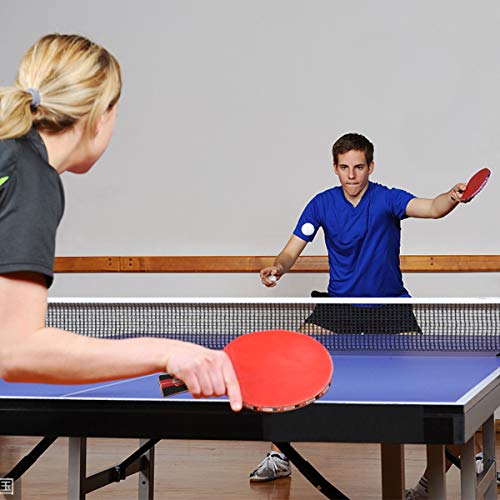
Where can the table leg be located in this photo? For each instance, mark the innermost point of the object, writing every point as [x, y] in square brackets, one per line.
[393, 470]
[468, 470]
[147, 475]
[436, 471]
[77, 468]
[489, 441]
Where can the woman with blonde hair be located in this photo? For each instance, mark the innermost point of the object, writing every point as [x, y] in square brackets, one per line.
[59, 116]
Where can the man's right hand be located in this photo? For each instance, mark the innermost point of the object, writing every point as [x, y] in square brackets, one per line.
[271, 275]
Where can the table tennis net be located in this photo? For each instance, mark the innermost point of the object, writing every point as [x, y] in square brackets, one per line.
[339, 326]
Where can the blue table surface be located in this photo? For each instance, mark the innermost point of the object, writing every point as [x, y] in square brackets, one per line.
[357, 378]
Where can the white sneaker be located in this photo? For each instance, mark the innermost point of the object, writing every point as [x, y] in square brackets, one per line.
[274, 466]
[479, 463]
[415, 494]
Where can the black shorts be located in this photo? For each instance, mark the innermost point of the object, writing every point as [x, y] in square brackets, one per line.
[369, 319]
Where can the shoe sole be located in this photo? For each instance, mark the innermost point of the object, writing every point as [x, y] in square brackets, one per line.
[267, 479]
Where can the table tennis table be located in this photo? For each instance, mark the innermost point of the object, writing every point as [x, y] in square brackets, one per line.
[397, 397]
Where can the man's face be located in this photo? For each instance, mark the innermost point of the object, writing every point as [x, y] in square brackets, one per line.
[353, 172]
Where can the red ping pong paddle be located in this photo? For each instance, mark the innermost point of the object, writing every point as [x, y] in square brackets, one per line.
[278, 370]
[475, 184]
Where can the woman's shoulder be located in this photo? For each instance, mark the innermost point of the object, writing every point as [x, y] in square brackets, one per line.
[8, 156]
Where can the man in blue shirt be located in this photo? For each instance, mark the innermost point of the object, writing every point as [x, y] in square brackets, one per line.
[361, 221]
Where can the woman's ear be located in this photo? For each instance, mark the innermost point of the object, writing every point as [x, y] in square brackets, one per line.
[100, 124]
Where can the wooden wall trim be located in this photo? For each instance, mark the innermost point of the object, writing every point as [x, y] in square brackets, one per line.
[253, 264]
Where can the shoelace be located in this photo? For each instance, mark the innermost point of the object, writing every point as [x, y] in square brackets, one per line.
[270, 458]
[262, 463]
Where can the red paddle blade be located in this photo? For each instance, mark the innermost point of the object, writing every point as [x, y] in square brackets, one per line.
[279, 370]
[476, 183]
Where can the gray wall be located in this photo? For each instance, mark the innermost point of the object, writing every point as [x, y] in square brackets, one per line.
[228, 114]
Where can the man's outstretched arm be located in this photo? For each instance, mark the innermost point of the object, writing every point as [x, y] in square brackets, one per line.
[435, 208]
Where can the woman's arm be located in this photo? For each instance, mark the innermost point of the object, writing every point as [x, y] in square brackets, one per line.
[30, 352]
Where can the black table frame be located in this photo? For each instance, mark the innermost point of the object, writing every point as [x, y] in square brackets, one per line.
[391, 425]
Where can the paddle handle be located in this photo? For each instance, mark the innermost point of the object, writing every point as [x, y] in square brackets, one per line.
[170, 385]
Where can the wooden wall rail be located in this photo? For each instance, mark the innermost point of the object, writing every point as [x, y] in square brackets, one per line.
[249, 264]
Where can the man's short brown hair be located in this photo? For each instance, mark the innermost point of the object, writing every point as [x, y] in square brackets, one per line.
[352, 141]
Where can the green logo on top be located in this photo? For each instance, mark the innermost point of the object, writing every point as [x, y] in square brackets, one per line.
[3, 180]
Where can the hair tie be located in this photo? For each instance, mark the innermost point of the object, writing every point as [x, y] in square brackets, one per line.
[35, 97]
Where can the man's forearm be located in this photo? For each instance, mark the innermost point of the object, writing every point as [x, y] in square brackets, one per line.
[287, 257]
[284, 262]
[443, 204]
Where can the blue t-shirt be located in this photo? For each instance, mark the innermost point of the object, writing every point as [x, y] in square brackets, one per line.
[363, 242]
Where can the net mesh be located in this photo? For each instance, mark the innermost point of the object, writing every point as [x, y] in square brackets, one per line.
[339, 326]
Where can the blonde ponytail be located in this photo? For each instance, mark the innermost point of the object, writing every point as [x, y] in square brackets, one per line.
[73, 78]
[16, 117]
